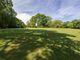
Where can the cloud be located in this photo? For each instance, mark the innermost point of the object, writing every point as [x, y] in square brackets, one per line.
[68, 10]
[57, 9]
[20, 5]
[23, 16]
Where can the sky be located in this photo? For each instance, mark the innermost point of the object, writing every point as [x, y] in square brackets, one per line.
[58, 9]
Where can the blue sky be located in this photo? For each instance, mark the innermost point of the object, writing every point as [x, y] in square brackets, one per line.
[58, 9]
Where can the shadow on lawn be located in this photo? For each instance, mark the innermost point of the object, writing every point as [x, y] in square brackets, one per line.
[39, 45]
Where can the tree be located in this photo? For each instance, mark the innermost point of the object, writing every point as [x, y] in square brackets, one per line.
[7, 15]
[32, 22]
[39, 20]
[68, 24]
[76, 24]
[20, 24]
[56, 23]
[73, 24]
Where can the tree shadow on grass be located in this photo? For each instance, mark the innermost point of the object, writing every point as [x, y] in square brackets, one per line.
[38, 45]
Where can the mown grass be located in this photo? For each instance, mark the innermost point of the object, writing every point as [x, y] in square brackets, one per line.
[40, 44]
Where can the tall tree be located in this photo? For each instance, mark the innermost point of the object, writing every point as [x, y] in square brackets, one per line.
[7, 14]
[39, 20]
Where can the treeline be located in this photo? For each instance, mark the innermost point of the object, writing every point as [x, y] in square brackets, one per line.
[8, 16]
[8, 19]
[41, 21]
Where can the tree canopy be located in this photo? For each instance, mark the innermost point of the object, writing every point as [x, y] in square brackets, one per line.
[7, 15]
[41, 20]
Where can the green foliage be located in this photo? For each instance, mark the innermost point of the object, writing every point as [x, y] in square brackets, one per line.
[8, 15]
[73, 24]
[56, 24]
[32, 22]
[76, 24]
[20, 24]
[39, 20]
[68, 24]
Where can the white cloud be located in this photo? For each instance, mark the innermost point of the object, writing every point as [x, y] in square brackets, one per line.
[67, 11]
[62, 12]
[58, 9]
[23, 16]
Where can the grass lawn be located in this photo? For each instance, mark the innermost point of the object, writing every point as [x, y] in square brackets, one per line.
[40, 44]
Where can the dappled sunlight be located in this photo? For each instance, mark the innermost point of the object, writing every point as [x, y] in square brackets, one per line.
[36, 54]
[38, 44]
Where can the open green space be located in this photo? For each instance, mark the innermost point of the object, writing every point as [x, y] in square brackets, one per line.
[40, 44]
